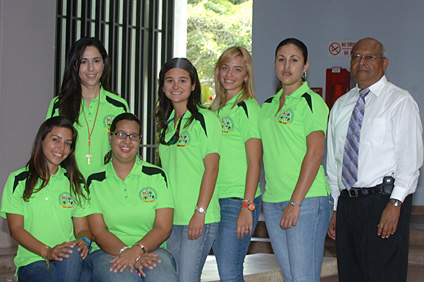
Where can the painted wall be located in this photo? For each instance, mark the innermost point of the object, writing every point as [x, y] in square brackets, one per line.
[397, 24]
[27, 34]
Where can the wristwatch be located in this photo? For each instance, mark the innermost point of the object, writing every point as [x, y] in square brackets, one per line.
[200, 209]
[396, 203]
[248, 204]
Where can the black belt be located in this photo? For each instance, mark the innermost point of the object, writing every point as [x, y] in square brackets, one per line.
[384, 188]
[356, 192]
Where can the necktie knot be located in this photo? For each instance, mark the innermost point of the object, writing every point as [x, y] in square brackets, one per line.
[364, 92]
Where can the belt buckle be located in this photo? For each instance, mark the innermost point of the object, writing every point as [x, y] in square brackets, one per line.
[353, 193]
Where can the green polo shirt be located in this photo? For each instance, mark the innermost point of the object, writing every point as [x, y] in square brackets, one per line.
[284, 142]
[239, 123]
[47, 215]
[183, 162]
[129, 207]
[111, 105]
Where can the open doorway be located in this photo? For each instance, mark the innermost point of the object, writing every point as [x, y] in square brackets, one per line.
[212, 27]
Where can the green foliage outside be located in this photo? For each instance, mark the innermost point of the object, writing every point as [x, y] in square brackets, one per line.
[212, 27]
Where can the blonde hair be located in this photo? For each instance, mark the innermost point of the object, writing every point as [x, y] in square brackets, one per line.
[248, 86]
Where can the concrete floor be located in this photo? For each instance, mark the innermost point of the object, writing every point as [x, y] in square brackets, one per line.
[415, 274]
[263, 267]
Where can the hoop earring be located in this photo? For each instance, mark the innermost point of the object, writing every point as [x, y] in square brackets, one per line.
[304, 75]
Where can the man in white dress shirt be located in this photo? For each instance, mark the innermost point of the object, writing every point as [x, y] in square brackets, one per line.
[371, 218]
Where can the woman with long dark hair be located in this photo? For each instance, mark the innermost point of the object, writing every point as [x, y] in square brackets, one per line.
[240, 165]
[44, 207]
[296, 200]
[86, 100]
[132, 211]
[190, 142]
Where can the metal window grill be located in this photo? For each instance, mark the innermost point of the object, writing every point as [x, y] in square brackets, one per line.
[138, 35]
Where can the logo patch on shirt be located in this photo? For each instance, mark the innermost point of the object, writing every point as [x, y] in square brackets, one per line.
[227, 125]
[65, 201]
[286, 117]
[184, 139]
[148, 195]
[108, 121]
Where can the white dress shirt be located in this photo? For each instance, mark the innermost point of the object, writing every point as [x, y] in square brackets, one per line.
[391, 139]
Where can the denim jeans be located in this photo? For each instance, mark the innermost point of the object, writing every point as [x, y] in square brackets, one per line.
[300, 249]
[67, 270]
[99, 263]
[190, 255]
[228, 249]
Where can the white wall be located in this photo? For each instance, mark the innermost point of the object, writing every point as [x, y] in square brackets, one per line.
[27, 40]
[397, 24]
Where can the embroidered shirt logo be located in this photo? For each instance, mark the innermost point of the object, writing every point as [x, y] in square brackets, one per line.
[227, 125]
[148, 195]
[286, 117]
[108, 121]
[65, 201]
[184, 139]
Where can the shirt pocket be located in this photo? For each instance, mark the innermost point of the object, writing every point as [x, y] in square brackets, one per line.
[373, 131]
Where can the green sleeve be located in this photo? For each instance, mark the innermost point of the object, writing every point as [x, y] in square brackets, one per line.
[53, 108]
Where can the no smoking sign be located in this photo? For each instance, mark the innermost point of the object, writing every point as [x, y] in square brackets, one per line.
[340, 48]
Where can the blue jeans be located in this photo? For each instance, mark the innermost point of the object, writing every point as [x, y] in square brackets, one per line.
[190, 255]
[300, 249]
[99, 263]
[228, 249]
[67, 270]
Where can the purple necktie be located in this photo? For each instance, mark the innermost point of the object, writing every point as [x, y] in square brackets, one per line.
[351, 149]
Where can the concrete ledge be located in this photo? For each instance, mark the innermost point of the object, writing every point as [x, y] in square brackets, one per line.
[263, 268]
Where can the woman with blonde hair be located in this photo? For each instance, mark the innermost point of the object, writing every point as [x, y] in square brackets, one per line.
[240, 196]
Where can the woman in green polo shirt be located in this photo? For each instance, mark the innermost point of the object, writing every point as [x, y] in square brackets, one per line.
[132, 211]
[85, 99]
[44, 207]
[190, 142]
[240, 164]
[297, 204]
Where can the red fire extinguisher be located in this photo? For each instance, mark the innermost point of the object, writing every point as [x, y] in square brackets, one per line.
[337, 84]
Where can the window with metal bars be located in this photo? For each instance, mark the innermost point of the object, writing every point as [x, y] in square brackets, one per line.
[138, 36]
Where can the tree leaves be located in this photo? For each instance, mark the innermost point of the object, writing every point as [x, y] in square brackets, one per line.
[212, 27]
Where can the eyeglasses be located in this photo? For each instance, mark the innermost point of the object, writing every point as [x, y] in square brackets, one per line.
[368, 58]
[123, 135]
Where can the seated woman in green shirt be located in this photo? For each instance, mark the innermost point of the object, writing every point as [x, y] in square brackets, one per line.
[44, 207]
[132, 211]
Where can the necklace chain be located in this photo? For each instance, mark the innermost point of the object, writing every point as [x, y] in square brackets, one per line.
[88, 156]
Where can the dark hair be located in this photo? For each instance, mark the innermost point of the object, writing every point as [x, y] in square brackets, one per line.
[299, 44]
[118, 118]
[125, 116]
[38, 168]
[164, 105]
[70, 95]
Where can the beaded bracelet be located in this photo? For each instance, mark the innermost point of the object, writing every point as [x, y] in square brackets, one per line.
[45, 257]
